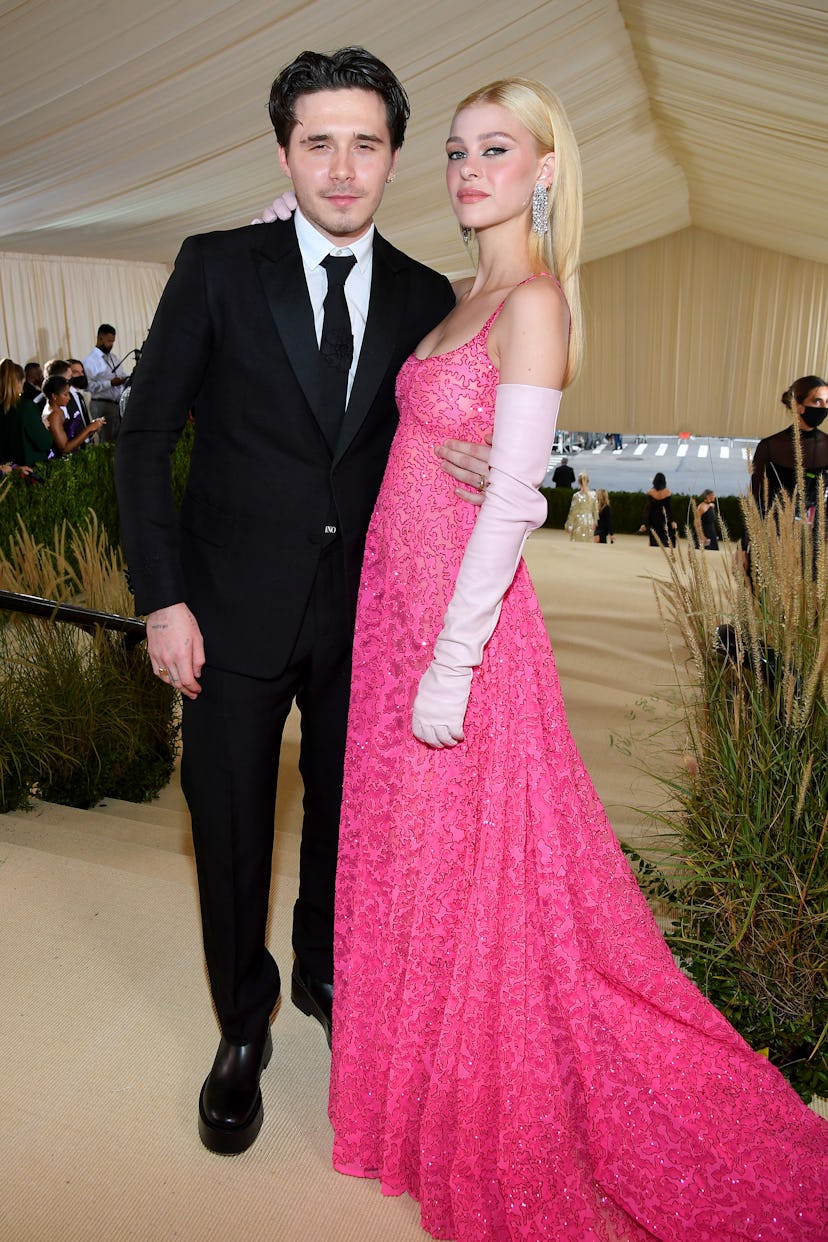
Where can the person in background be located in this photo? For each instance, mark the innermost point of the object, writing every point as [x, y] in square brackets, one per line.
[11, 389]
[658, 514]
[773, 469]
[105, 378]
[76, 411]
[67, 429]
[54, 367]
[583, 512]
[707, 533]
[32, 379]
[603, 528]
[27, 439]
[563, 475]
[79, 385]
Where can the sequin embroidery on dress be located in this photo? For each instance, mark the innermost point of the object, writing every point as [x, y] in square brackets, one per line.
[513, 1044]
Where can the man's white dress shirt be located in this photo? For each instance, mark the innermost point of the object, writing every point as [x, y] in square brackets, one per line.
[313, 248]
[100, 368]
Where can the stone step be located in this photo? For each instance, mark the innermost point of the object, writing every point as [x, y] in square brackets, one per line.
[128, 842]
[143, 813]
[113, 820]
[64, 837]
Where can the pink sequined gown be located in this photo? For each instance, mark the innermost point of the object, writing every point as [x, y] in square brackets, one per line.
[513, 1044]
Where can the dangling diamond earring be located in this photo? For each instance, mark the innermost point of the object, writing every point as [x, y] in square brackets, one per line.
[465, 233]
[540, 209]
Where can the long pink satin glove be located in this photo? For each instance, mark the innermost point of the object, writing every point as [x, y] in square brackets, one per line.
[524, 428]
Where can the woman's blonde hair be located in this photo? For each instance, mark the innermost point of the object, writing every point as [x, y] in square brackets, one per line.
[558, 250]
[603, 498]
[584, 478]
[11, 380]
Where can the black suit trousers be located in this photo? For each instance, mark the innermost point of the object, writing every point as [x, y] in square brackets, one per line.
[231, 740]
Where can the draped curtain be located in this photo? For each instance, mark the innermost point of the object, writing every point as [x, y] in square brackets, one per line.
[697, 333]
[51, 306]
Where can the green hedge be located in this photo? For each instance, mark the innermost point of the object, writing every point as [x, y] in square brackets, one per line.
[628, 510]
[70, 487]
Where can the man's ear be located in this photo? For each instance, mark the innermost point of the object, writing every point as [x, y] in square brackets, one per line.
[283, 162]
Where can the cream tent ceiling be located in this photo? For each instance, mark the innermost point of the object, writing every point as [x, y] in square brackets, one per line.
[127, 125]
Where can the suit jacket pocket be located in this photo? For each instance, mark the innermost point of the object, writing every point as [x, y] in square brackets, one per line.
[206, 521]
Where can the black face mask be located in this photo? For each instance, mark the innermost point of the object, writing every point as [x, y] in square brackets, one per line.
[80, 381]
[105, 349]
[814, 415]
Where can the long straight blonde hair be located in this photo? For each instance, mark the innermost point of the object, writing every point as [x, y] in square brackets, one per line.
[557, 251]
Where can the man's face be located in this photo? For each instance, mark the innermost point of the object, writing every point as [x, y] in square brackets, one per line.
[339, 159]
[105, 341]
[76, 372]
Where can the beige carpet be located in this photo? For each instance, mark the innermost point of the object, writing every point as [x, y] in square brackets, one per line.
[106, 1028]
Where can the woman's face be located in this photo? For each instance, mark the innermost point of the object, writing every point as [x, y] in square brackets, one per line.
[817, 396]
[816, 400]
[493, 164]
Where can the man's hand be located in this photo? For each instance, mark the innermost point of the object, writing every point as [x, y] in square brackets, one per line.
[117, 380]
[469, 464]
[176, 648]
[282, 208]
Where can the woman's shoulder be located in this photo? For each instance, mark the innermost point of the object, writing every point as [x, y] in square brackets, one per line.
[531, 333]
[539, 295]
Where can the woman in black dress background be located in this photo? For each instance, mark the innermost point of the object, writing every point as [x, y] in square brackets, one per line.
[658, 516]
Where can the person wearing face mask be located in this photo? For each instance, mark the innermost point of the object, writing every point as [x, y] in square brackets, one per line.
[79, 385]
[105, 378]
[774, 462]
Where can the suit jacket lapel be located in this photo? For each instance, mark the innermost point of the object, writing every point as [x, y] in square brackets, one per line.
[283, 279]
[388, 297]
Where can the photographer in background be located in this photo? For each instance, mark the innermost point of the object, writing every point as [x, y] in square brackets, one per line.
[105, 377]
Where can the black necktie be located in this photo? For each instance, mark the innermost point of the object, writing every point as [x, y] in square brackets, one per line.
[336, 346]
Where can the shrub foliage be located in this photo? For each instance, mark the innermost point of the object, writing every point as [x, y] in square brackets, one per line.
[746, 871]
[81, 716]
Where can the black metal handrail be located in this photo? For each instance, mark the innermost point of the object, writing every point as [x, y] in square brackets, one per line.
[89, 619]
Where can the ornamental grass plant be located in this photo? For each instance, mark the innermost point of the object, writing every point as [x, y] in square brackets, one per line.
[744, 871]
[81, 716]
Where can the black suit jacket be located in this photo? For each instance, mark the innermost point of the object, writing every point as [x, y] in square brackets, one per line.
[233, 340]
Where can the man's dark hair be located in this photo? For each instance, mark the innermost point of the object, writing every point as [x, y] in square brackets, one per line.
[75, 362]
[106, 329]
[54, 385]
[29, 367]
[348, 68]
[54, 366]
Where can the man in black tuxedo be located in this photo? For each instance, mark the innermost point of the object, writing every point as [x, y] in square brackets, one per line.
[250, 592]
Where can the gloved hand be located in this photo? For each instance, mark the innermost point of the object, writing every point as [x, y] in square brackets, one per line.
[524, 429]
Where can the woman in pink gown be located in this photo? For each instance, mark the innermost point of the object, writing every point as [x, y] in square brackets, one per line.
[513, 1044]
